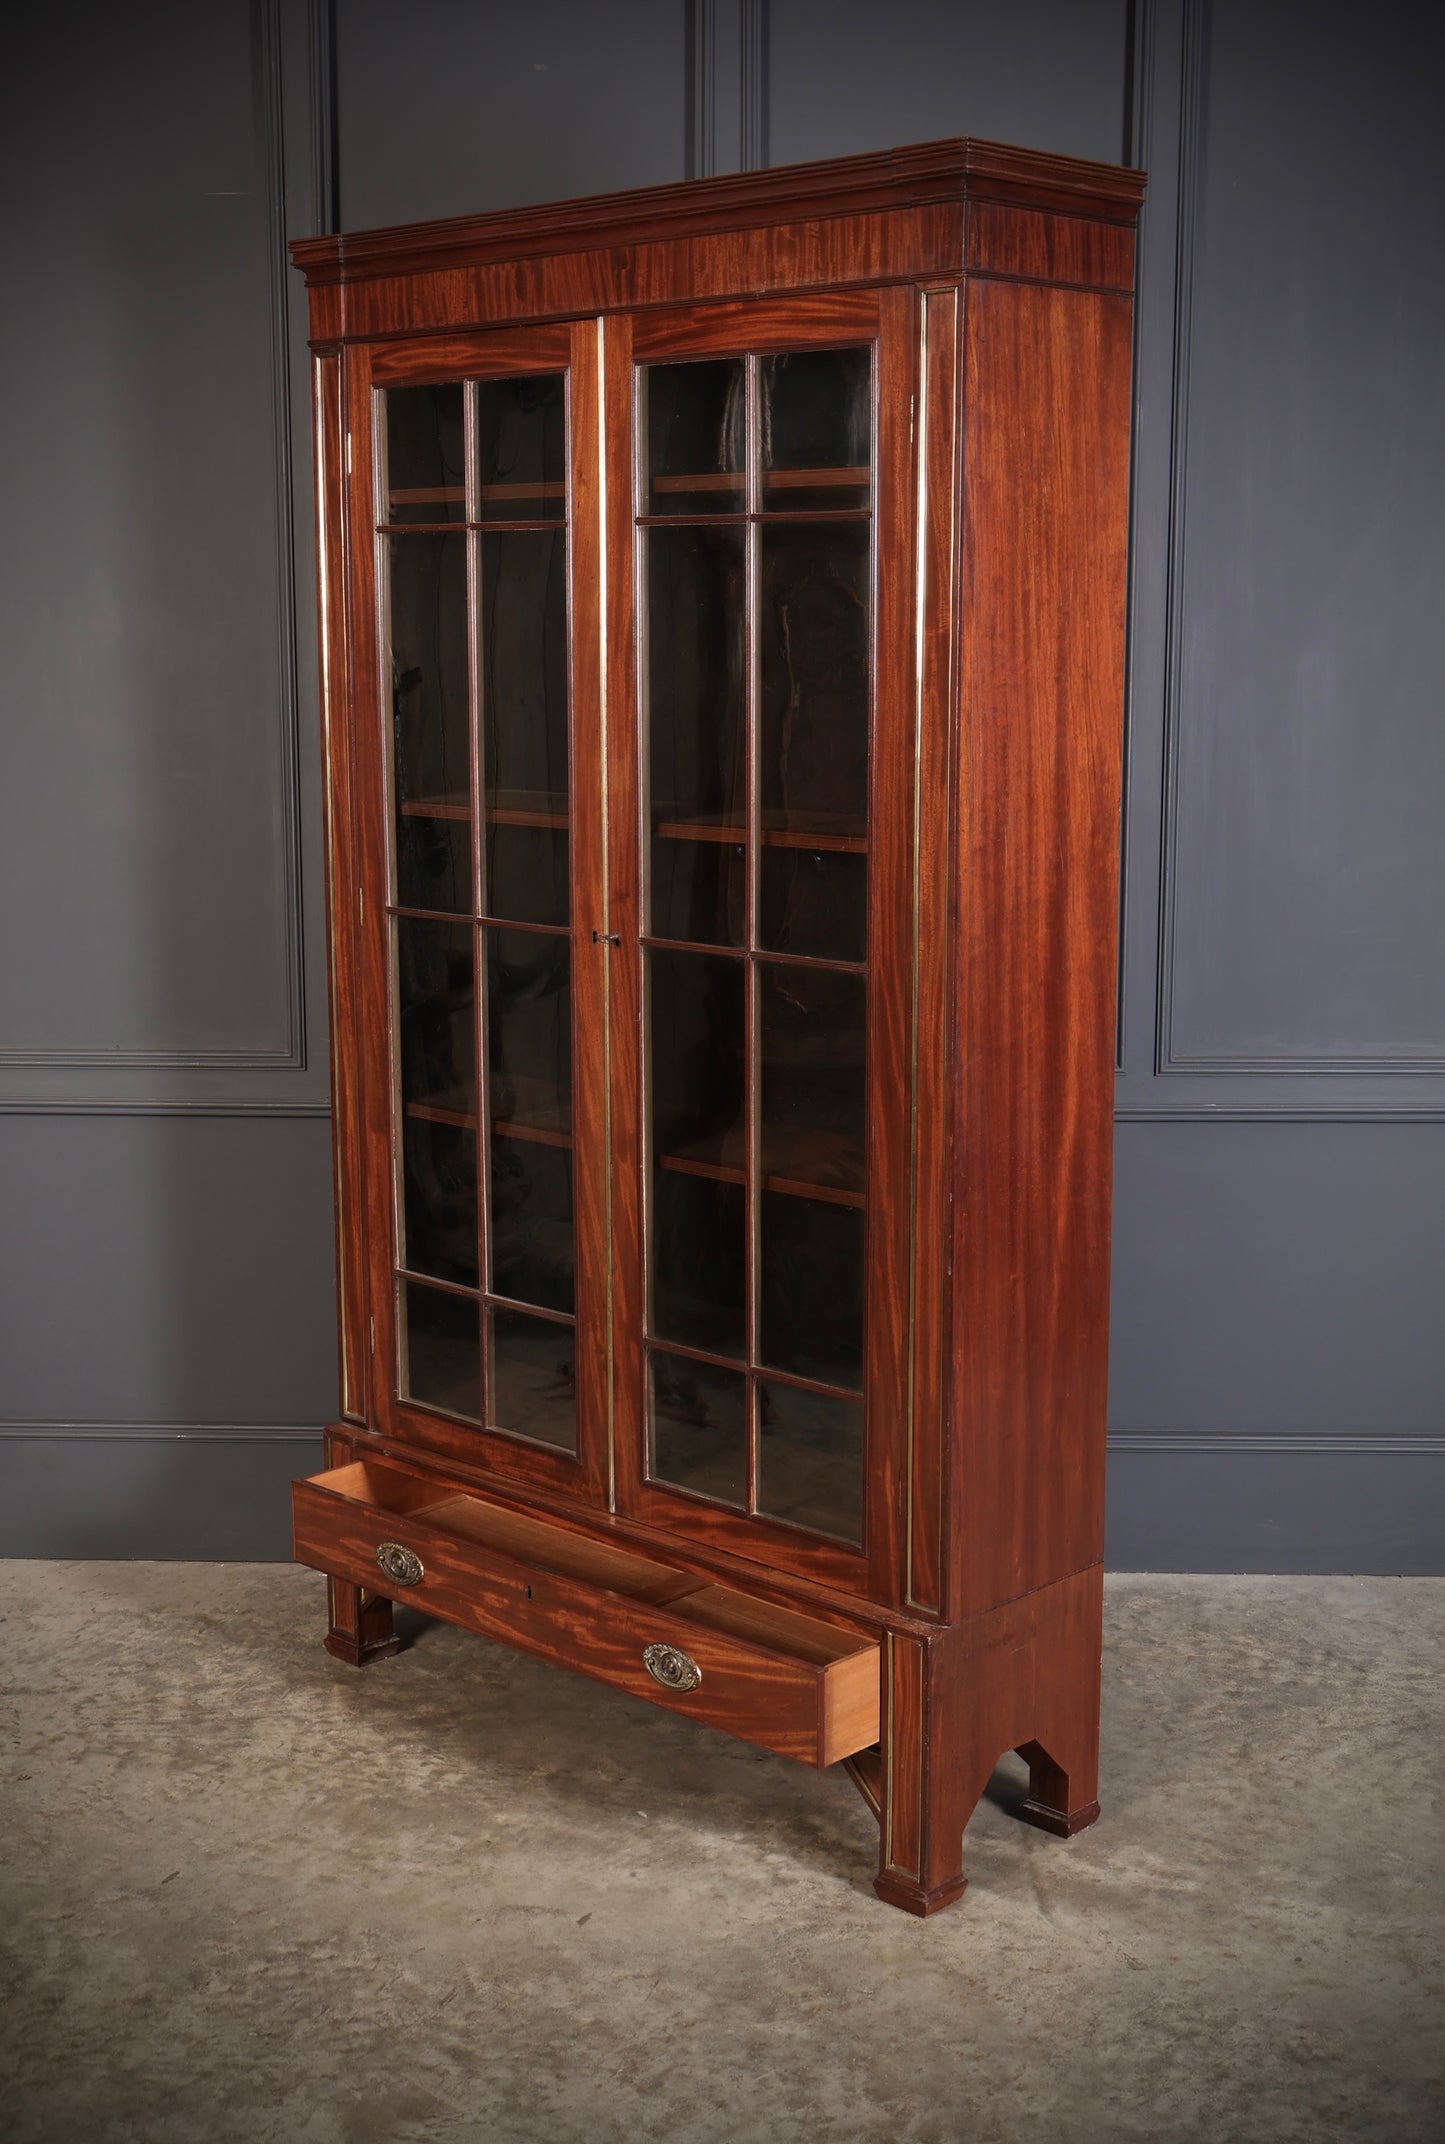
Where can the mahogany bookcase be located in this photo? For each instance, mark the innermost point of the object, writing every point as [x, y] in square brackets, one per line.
[722, 608]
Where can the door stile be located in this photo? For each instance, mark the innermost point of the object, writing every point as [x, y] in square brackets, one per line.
[591, 949]
[939, 450]
[623, 804]
[890, 947]
[367, 895]
[343, 979]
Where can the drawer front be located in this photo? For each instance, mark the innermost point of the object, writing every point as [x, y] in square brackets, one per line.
[789, 1705]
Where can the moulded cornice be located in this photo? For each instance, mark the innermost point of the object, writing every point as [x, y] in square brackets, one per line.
[962, 169]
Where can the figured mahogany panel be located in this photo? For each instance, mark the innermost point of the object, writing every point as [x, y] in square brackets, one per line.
[1046, 438]
[823, 317]
[1028, 243]
[794, 257]
[456, 357]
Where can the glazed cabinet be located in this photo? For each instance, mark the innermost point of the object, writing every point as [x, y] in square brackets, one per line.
[722, 595]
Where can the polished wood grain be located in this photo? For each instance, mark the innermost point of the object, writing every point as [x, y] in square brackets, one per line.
[785, 194]
[890, 947]
[335, 652]
[1046, 444]
[1025, 243]
[498, 354]
[819, 319]
[789, 1683]
[358, 1624]
[622, 1035]
[931, 951]
[779, 261]
[591, 953]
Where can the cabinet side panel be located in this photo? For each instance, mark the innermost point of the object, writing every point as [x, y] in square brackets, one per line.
[1045, 481]
[336, 729]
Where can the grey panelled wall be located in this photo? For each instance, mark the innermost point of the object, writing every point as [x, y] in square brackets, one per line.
[166, 1319]
[166, 1299]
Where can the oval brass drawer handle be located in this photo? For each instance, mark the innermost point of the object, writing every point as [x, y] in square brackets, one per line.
[401, 1565]
[675, 1670]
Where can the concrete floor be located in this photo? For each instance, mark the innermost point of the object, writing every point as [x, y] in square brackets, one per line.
[252, 1894]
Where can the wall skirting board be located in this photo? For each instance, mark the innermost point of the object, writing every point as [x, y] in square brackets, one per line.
[1178, 1500]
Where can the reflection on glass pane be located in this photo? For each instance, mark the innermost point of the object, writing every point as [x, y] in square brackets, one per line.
[810, 1460]
[425, 456]
[812, 1033]
[533, 1378]
[813, 629]
[813, 902]
[810, 1295]
[697, 1246]
[697, 739]
[526, 871]
[523, 665]
[437, 1018]
[695, 437]
[531, 1235]
[441, 1363]
[698, 1428]
[431, 752]
[696, 1057]
[522, 447]
[816, 414]
[436, 1009]
[439, 1198]
[529, 1031]
[696, 1080]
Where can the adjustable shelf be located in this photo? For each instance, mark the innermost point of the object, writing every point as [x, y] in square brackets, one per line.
[733, 480]
[517, 807]
[533, 1111]
[793, 1163]
[831, 832]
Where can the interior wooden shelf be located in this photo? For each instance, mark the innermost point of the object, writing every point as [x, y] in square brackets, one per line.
[508, 808]
[772, 837]
[786, 1161]
[799, 1164]
[544, 488]
[533, 1111]
[455, 494]
[773, 480]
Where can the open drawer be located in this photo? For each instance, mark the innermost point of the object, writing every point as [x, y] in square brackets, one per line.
[787, 1681]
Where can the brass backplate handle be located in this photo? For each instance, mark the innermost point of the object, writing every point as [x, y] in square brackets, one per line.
[402, 1565]
[674, 1669]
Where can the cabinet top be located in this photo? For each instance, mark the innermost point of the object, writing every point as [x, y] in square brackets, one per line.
[937, 171]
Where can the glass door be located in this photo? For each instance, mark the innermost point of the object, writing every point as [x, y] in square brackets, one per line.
[756, 516]
[472, 499]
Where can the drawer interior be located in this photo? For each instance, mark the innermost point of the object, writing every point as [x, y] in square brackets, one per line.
[552, 1548]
